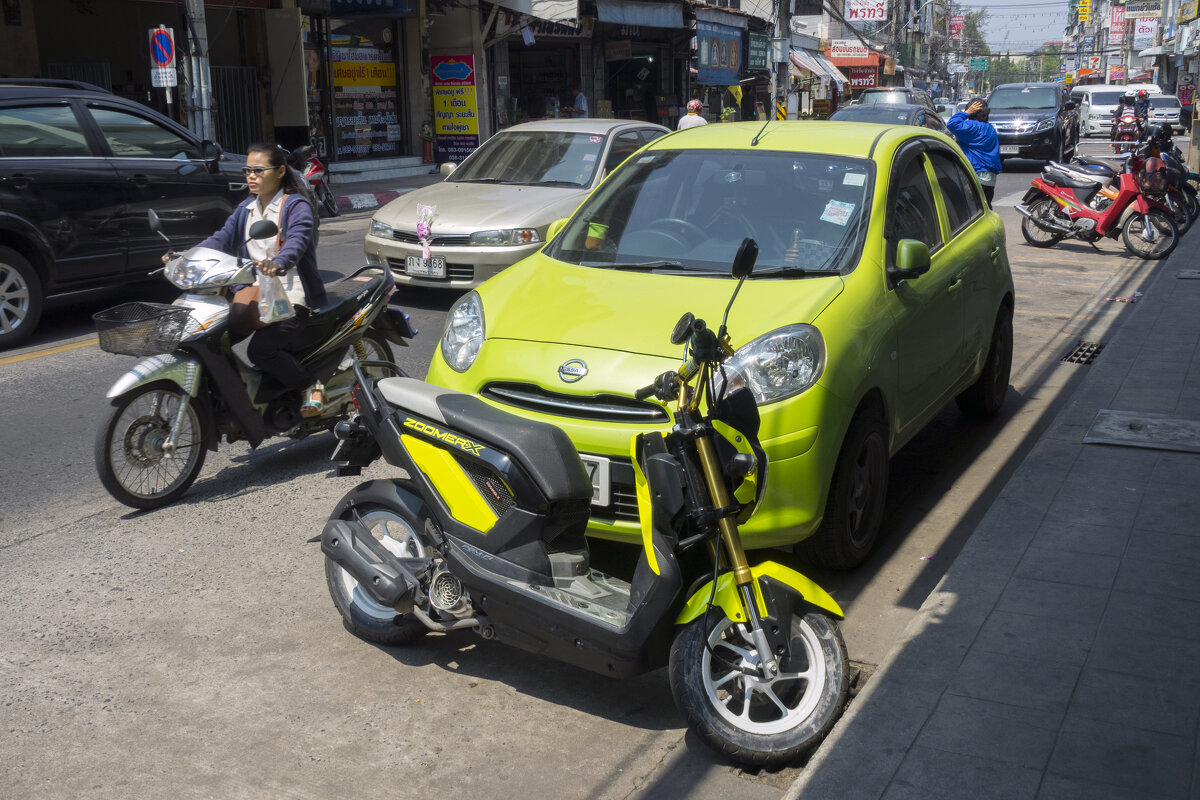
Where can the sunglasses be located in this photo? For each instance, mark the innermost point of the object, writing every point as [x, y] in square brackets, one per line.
[256, 170]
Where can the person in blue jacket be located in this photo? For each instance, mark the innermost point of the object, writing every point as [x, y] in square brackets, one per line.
[979, 143]
[277, 193]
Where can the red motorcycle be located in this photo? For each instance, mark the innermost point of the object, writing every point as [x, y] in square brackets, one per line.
[1127, 130]
[1060, 206]
[317, 177]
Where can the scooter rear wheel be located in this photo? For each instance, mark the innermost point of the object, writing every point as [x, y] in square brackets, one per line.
[1037, 236]
[753, 721]
[364, 616]
[327, 200]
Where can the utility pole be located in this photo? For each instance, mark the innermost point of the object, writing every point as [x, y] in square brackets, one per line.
[200, 102]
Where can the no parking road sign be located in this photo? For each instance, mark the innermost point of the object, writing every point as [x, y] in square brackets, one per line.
[162, 57]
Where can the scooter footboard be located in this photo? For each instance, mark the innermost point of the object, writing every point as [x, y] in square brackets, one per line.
[728, 600]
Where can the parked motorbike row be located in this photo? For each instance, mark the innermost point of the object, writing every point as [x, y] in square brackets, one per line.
[315, 174]
[1148, 199]
[483, 525]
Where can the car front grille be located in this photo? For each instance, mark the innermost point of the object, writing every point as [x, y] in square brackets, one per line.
[454, 272]
[442, 240]
[598, 408]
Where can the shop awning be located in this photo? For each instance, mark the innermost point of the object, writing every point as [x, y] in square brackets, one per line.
[389, 8]
[829, 67]
[649, 15]
[550, 10]
[872, 59]
[815, 63]
[1151, 51]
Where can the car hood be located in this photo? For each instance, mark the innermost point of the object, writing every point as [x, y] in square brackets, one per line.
[468, 207]
[544, 300]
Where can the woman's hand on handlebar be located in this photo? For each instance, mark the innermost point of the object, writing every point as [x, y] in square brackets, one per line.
[270, 268]
[167, 256]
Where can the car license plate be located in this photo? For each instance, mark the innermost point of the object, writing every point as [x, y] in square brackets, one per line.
[599, 470]
[1009, 149]
[425, 267]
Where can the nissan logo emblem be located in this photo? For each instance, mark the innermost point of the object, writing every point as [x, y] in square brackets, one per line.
[572, 371]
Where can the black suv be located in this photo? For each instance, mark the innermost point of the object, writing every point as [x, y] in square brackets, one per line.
[79, 168]
[1034, 120]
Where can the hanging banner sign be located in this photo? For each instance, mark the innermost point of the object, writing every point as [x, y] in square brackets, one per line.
[1143, 33]
[455, 112]
[1116, 73]
[956, 28]
[862, 77]
[866, 10]
[847, 48]
[1116, 25]
[718, 57]
[1143, 9]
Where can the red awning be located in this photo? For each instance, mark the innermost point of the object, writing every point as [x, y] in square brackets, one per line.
[873, 59]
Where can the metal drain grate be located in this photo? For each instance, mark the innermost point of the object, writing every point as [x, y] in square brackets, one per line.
[1084, 353]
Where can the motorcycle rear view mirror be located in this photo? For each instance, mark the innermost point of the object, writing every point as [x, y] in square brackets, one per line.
[683, 328]
[743, 265]
[263, 229]
[156, 224]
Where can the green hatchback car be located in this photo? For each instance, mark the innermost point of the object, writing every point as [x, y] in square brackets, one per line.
[882, 290]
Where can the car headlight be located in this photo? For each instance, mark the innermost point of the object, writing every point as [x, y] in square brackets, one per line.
[779, 364]
[463, 334]
[1044, 124]
[504, 238]
[380, 229]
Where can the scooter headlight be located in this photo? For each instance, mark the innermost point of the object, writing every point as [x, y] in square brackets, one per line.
[188, 273]
[463, 334]
[777, 365]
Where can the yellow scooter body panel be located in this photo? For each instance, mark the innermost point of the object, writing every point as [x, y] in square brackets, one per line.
[729, 600]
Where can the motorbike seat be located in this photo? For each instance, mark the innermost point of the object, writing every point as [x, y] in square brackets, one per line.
[344, 297]
[1095, 167]
[1060, 178]
[542, 450]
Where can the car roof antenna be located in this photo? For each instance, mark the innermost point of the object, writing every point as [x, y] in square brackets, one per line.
[757, 136]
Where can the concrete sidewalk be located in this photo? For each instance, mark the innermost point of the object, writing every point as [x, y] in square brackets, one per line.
[369, 195]
[1058, 657]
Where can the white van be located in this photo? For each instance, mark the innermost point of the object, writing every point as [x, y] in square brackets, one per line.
[1096, 103]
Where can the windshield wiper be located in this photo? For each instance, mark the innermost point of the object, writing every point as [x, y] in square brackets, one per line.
[558, 183]
[481, 180]
[647, 266]
[799, 272]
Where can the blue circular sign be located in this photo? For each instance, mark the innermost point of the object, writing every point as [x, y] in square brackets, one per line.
[162, 49]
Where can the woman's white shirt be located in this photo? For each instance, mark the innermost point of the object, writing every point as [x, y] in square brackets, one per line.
[262, 249]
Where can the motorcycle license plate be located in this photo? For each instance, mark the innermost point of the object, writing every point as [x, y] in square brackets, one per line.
[425, 267]
[599, 470]
[1009, 149]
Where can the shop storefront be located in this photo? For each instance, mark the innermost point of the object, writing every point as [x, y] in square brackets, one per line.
[640, 60]
[817, 82]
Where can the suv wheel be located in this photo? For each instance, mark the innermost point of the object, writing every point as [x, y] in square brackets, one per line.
[20, 298]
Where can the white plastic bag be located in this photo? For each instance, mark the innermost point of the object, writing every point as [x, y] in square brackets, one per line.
[273, 303]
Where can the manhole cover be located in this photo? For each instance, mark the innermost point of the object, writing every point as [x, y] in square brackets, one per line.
[1189, 274]
[1084, 353]
[1144, 429]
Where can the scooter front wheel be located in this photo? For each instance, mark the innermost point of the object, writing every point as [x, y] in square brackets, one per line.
[753, 720]
[1151, 236]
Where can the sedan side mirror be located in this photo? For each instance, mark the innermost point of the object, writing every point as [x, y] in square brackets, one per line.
[447, 168]
[555, 227]
[912, 261]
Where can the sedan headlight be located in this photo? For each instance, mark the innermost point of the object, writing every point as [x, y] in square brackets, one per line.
[463, 334]
[380, 229]
[508, 237]
[780, 364]
[1044, 124]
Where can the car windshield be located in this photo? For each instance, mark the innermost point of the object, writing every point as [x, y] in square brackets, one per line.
[689, 210]
[873, 98]
[557, 158]
[1023, 97]
[1164, 102]
[1106, 98]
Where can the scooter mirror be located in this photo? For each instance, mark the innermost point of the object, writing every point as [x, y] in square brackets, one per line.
[263, 229]
[743, 262]
[683, 328]
[155, 222]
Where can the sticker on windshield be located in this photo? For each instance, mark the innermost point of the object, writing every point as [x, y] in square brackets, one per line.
[837, 212]
[589, 156]
[596, 139]
[645, 159]
[854, 179]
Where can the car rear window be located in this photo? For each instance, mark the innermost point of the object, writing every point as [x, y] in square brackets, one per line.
[872, 98]
[534, 157]
[692, 209]
[41, 132]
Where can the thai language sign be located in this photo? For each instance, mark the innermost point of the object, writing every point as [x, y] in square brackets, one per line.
[866, 10]
[1144, 31]
[1116, 25]
[1187, 11]
[365, 106]
[1143, 9]
[847, 48]
[719, 54]
[956, 27]
[756, 51]
[862, 77]
[455, 112]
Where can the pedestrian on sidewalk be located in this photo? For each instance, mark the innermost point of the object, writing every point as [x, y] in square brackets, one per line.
[579, 109]
[979, 143]
[692, 119]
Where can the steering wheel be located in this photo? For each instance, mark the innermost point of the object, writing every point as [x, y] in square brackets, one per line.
[664, 227]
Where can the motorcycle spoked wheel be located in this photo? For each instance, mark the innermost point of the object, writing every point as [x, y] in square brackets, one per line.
[327, 200]
[366, 618]
[1043, 208]
[129, 452]
[1151, 236]
[1192, 200]
[752, 721]
[1180, 215]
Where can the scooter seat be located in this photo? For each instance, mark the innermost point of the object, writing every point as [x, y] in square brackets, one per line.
[1059, 178]
[542, 450]
[343, 297]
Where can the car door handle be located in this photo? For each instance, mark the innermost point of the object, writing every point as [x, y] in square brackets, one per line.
[18, 181]
[994, 252]
[140, 181]
[954, 287]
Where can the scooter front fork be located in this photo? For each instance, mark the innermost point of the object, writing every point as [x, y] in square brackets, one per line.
[766, 663]
[168, 447]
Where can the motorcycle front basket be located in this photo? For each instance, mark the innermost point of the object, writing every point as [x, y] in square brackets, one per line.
[140, 329]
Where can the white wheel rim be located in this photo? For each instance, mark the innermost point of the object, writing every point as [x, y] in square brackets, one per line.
[762, 706]
[14, 299]
[394, 533]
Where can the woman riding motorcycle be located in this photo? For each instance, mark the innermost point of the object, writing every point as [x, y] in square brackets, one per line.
[278, 194]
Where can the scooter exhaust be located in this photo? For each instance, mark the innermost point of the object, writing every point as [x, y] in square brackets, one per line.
[387, 579]
[1041, 223]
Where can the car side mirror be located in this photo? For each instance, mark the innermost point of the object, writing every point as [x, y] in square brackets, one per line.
[555, 227]
[912, 261]
[211, 152]
[447, 168]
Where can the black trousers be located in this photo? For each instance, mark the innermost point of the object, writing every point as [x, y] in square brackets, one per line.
[272, 349]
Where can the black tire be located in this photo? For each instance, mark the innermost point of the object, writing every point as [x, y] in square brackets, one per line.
[377, 348]
[20, 298]
[854, 508]
[984, 398]
[1192, 200]
[1166, 235]
[128, 448]
[1043, 207]
[767, 735]
[327, 200]
[367, 619]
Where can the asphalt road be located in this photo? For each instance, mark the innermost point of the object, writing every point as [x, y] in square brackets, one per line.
[193, 651]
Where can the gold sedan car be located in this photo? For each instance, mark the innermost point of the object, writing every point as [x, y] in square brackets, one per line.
[493, 209]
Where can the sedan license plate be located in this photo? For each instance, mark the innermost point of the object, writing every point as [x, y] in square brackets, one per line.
[1009, 149]
[599, 470]
[425, 267]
